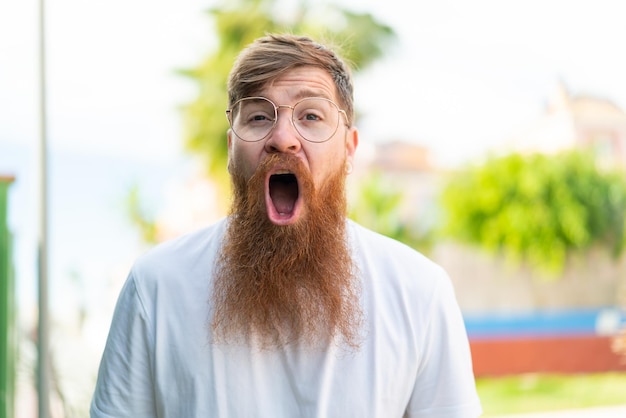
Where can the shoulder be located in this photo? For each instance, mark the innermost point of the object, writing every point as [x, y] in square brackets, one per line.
[186, 259]
[174, 275]
[393, 269]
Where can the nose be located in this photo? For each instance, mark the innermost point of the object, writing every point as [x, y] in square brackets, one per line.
[284, 137]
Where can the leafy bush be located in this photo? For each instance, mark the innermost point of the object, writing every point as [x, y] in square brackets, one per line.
[537, 208]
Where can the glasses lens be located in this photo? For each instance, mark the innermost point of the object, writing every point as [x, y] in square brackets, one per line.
[316, 119]
[253, 118]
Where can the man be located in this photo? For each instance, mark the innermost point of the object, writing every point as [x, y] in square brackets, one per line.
[286, 308]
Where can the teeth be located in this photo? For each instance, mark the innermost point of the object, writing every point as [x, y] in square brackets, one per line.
[282, 172]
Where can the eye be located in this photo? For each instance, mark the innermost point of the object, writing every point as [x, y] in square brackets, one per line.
[259, 117]
[312, 116]
[256, 111]
[309, 115]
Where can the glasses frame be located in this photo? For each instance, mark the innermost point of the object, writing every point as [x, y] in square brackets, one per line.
[229, 113]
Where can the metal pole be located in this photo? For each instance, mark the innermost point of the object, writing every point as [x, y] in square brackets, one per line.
[42, 249]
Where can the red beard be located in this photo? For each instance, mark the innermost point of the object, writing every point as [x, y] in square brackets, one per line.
[278, 285]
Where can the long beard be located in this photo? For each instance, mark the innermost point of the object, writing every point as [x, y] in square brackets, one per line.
[280, 285]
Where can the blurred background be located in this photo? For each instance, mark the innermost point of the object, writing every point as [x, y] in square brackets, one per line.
[493, 139]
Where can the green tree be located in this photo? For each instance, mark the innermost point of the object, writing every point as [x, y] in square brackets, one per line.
[359, 36]
[537, 208]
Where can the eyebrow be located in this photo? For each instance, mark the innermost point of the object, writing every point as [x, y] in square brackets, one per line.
[302, 93]
[307, 92]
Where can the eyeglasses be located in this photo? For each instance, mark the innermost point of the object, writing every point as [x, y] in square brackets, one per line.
[316, 119]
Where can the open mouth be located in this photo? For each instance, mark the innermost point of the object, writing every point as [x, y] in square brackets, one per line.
[282, 197]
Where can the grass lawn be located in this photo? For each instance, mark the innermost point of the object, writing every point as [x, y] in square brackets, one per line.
[536, 392]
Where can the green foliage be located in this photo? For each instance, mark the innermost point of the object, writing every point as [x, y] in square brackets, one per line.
[543, 393]
[360, 37]
[140, 217]
[537, 208]
[377, 205]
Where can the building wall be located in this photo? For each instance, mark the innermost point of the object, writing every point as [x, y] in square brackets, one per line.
[486, 283]
[521, 322]
[568, 354]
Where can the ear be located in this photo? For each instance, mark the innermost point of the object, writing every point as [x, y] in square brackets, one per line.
[352, 142]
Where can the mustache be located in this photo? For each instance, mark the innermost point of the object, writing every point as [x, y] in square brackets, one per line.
[249, 194]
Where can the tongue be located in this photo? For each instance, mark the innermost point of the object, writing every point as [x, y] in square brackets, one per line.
[284, 192]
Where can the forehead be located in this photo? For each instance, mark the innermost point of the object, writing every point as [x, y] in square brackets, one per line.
[299, 83]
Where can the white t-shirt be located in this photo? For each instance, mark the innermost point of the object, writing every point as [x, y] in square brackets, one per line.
[414, 361]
